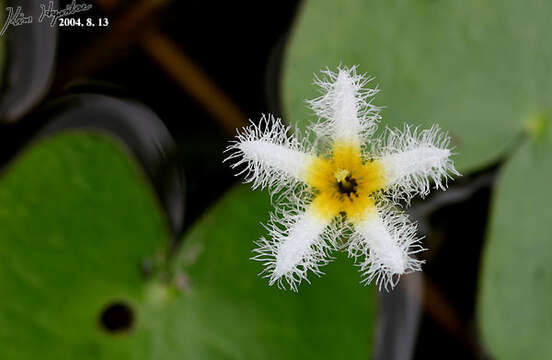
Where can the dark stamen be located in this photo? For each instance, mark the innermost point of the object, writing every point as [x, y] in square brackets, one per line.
[347, 186]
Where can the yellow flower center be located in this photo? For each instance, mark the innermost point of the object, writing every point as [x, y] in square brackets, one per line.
[344, 183]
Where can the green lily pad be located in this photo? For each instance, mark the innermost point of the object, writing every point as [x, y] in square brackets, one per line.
[478, 69]
[331, 318]
[516, 280]
[77, 223]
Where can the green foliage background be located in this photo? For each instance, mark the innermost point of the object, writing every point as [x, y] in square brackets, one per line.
[78, 219]
[95, 222]
[481, 70]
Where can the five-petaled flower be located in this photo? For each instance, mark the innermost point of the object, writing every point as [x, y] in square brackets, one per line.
[341, 189]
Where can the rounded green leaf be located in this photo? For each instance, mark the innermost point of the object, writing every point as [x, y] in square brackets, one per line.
[516, 279]
[478, 69]
[333, 317]
[77, 220]
[77, 224]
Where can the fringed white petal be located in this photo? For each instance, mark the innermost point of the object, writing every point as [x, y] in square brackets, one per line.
[297, 243]
[414, 159]
[270, 157]
[299, 240]
[387, 241]
[345, 107]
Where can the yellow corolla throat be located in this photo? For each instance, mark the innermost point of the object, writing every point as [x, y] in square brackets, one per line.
[344, 183]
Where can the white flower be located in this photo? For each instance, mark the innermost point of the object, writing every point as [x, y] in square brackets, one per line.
[343, 195]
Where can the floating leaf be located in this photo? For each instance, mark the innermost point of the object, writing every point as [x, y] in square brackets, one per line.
[77, 224]
[479, 69]
[77, 221]
[516, 279]
[331, 318]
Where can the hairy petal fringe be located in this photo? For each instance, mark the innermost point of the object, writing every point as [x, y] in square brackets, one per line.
[298, 242]
[414, 159]
[345, 109]
[387, 242]
[268, 156]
